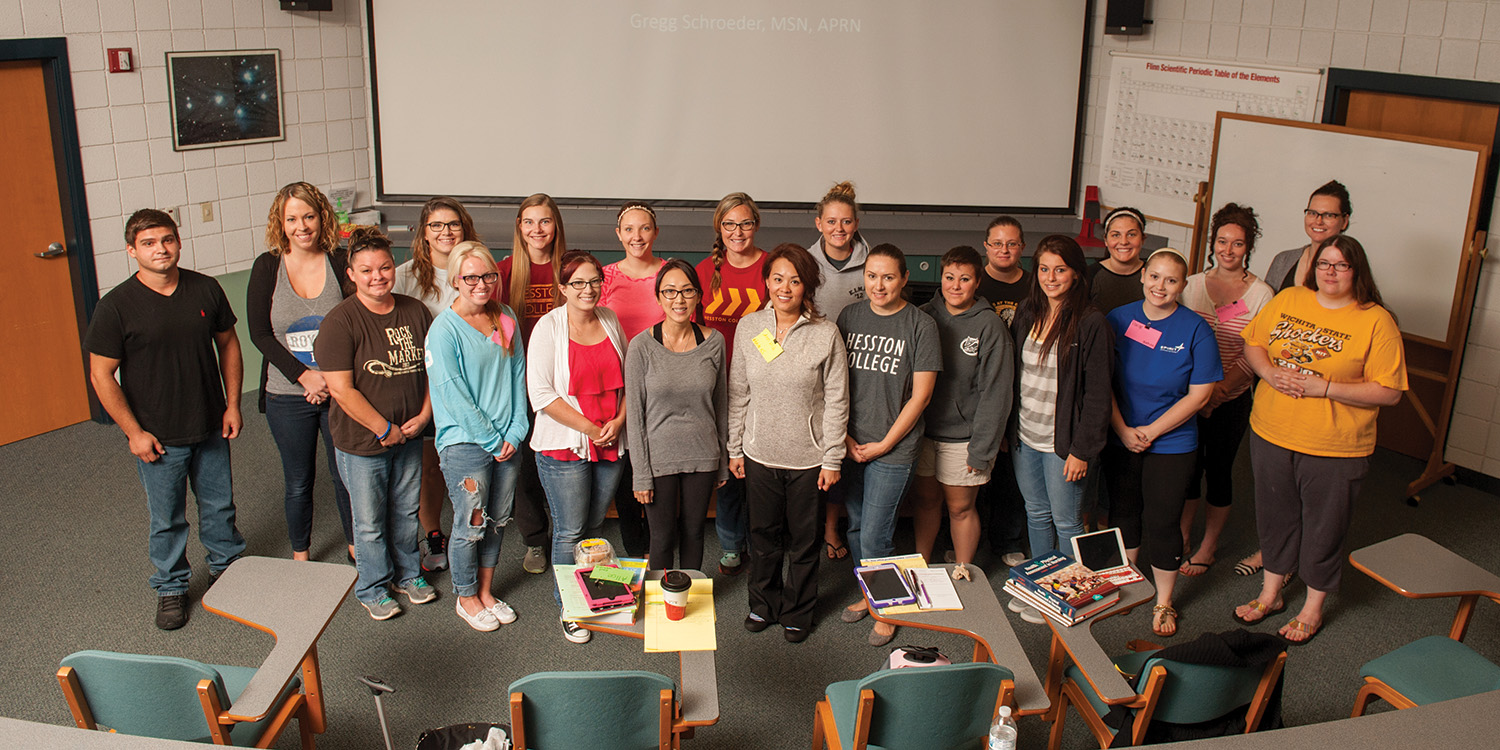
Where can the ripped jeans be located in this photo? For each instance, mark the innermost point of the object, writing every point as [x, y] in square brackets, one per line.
[476, 481]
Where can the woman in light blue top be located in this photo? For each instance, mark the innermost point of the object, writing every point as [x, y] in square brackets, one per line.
[476, 371]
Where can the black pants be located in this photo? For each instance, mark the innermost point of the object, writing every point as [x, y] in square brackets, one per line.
[678, 510]
[635, 534]
[1219, 437]
[1146, 493]
[783, 504]
[1002, 510]
[530, 512]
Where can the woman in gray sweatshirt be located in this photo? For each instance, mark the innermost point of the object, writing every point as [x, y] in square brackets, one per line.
[966, 418]
[676, 415]
[788, 404]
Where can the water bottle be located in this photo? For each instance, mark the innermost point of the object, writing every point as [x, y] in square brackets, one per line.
[1003, 731]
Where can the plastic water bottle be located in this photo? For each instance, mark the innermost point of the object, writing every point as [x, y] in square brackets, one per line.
[1003, 731]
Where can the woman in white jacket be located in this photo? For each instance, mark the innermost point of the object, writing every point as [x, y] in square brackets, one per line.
[580, 410]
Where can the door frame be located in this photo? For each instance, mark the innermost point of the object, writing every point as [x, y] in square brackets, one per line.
[52, 53]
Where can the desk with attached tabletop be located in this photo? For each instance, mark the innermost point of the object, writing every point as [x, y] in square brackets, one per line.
[1418, 568]
[983, 619]
[1077, 643]
[697, 672]
[253, 591]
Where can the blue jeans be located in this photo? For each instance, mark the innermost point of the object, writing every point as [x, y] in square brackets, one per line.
[1054, 506]
[205, 466]
[295, 425]
[578, 495]
[476, 481]
[383, 492]
[730, 519]
[872, 494]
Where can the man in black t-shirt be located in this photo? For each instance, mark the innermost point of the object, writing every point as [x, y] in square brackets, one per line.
[1004, 284]
[169, 334]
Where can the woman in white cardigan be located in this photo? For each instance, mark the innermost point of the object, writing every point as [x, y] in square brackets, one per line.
[579, 438]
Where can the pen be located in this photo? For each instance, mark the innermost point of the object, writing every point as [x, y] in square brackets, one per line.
[922, 589]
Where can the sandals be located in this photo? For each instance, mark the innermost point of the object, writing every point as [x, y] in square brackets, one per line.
[1298, 626]
[1256, 606]
[1162, 612]
[1245, 568]
[1193, 569]
[836, 551]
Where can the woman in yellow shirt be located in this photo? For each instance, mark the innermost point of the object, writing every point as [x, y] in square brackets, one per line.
[1329, 355]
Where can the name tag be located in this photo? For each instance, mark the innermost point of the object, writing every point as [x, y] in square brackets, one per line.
[1142, 334]
[766, 344]
[1231, 311]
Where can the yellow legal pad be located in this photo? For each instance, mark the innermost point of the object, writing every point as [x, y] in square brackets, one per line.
[692, 633]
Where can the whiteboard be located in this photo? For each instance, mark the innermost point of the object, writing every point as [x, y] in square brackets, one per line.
[1413, 202]
[1159, 125]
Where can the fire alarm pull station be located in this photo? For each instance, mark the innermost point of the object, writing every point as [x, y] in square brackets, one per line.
[120, 60]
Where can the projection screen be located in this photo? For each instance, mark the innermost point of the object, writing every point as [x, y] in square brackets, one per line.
[950, 104]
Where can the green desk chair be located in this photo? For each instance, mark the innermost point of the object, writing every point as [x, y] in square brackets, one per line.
[626, 710]
[1435, 668]
[922, 708]
[173, 699]
[1174, 692]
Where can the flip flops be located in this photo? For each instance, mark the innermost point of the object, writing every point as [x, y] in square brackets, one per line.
[1244, 567]
[836, 551]
[1164, 611]
[1256, 606]
[1193, 569]
[1299, 626]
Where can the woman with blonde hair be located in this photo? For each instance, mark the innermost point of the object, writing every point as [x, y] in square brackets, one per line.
[293, 285]
[443, 223]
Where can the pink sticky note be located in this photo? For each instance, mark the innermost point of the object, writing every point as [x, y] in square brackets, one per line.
[1143, 334]
[1231, 311]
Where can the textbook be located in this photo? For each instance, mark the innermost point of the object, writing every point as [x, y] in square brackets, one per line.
[1049, 608]
[1075, 591]
[575, 603]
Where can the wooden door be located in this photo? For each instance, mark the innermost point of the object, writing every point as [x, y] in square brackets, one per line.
[42, 385]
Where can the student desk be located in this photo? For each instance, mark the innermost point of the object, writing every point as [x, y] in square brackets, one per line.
[983, 619]
[1418, 568]
[1077, 643]
[253, 591]
[697, 673]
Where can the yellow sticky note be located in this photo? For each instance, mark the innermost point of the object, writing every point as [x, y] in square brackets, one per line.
[766, 344]
[692, 633]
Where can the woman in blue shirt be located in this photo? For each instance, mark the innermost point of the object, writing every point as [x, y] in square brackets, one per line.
[1166, 362]
[476, 370]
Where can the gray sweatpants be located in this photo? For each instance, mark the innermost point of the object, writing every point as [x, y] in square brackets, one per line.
[1303, 505]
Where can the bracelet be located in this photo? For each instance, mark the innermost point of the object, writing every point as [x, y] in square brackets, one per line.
[382, 435]
[1327, 387]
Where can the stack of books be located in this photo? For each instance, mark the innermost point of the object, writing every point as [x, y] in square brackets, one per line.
[575, 601]
[1061, 589]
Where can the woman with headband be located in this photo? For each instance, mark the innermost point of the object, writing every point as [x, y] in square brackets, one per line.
[733, 281]
[1166, 364]
[1116, 279]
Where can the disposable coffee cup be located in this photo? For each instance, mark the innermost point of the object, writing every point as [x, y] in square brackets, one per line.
[674, 589]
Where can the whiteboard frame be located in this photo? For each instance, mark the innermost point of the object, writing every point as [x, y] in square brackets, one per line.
[1303, 156]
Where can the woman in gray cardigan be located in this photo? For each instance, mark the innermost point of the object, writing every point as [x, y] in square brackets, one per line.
[788, 405]
[676, 415]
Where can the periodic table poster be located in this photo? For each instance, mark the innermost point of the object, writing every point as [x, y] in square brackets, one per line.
[1159, 126]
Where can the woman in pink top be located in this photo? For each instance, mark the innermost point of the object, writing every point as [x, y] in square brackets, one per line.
[630, 291]
[1228, 297]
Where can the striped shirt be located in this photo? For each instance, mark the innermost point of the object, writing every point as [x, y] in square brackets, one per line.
[1227, 329]
[1038, 411]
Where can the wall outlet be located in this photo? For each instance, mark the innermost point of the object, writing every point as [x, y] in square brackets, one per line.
[174, 214]
[208, 211]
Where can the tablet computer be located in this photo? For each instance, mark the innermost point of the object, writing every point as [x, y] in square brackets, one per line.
[602, 595]
[884, 585]
[1104, 553]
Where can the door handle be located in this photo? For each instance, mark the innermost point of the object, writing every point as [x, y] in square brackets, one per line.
[53, 250]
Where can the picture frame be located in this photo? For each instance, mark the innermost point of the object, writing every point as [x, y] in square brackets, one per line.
[225, 98]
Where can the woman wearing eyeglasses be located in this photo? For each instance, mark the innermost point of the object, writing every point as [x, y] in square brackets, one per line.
[476, 369]
[443, 223]
[676, 417]
[1326, 216]
[1329, 355]
[733, 282]
[576, 380]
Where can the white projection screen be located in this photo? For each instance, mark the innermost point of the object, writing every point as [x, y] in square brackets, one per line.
[952, 104]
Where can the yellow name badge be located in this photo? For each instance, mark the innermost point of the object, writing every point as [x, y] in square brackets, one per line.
[766, 344]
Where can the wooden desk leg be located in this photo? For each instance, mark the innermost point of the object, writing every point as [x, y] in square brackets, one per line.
[312, 685]
[982, 652]
[1461, 618]
[1057, 660]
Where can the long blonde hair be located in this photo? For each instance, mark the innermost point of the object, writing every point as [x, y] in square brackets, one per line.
[520, 259]
[493, 309]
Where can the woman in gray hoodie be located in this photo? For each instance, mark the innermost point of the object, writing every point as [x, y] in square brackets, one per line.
[965, 421]
[788, 404]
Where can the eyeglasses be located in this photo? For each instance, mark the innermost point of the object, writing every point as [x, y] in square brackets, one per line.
[438, 226]
[730, 226]
[581, 285]
[1340, 266]
[1324, 215]
[1011, 245]
[688, 293]
[473, 279]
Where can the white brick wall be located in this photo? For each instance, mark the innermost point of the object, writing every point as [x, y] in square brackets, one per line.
[125, 125]
[1459, 39]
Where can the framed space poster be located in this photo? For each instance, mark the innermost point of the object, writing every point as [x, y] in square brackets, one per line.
[225, 98]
